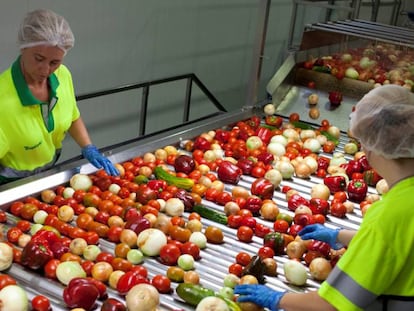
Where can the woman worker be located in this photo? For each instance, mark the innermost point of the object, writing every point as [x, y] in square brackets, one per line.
[376, 272]
[37, 102]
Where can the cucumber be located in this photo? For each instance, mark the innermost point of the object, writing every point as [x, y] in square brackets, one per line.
[302, 125]
[210, 214]
[193, 293]
[180, 182]
[330, 137]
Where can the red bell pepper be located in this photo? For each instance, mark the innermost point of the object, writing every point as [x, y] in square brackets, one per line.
[36, 254]
[303, 219]
[253, 122]
[353, 166]
[264, 134]
[229, 172]
[357, 190]
[319, 246]
[81, 293]
[246, 165]
[323, 162]
[253, 204]
[275, 121]
[319, 206]
[335, 183]
[364, 163]
[202, 144]
[266, 157]
[262, 188]
[295, 201]
[157, 184]
[222, 135]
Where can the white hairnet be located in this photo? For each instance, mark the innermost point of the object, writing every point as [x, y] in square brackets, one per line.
[383, 121]
[45, 27]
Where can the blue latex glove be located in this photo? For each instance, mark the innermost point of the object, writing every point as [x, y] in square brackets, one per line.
[321, 233]
[260, 295]
[92, 154]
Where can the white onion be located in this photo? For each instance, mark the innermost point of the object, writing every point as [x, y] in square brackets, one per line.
[269, 109]
[320, 191]
[285, 168]
[334, 131]
[312, 144]
[150, 241]
[295, 272]
[6, 256]
[212, 303]
[14, 298]
[279, 139]
[80, 182]
[199, 239]
[305, 134]
[291, 134]
[312, 163]
[276, 149]
[142, 297]
[337, 159]
[322, 139]
[382, 186]
[274, 176]
[174, 207]
[67, 270]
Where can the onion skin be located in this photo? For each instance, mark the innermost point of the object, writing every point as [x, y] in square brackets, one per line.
[14, 298]
[320, 268]
[142, 297]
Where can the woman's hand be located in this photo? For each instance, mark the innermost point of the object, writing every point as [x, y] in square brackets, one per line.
[92, 154]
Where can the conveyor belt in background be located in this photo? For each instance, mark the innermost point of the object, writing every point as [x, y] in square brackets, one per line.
[367, 30]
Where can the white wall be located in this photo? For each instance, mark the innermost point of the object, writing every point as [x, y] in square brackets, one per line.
[127, 41]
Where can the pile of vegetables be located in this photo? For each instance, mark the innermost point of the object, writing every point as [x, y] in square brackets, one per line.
[155, 209]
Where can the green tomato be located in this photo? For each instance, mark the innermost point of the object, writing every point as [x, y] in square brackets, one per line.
[135, 256]
[186, 262]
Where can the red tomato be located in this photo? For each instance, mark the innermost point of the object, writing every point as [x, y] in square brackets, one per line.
[141, 270]
[266, 252]
[340, 196]
[281, 225]
[40, 303]
[5, 280]
[161, 283]
[243, 258]
[234, 221]
[293, 117]
[50, 268]
[223, 197]
[169, 254]
[258, 171]
[105, 256]
[23, 225]
[338, 209]
[249, 221]
[13, 234]
[245, 234]
[191, 249]
[261, 230]
[236, 269]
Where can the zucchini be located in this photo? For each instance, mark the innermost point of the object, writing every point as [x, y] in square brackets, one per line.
[180, 182]
[330, 137]
[210, 214]
[302, 125]
[193, 293]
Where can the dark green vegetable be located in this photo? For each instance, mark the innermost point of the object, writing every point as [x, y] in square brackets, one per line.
[193, 293]
[302, 125]
[257, 268]
[330, 137]
[210, 214]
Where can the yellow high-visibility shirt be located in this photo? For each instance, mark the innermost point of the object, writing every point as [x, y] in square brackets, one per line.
[31, 132]
[378, 265]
